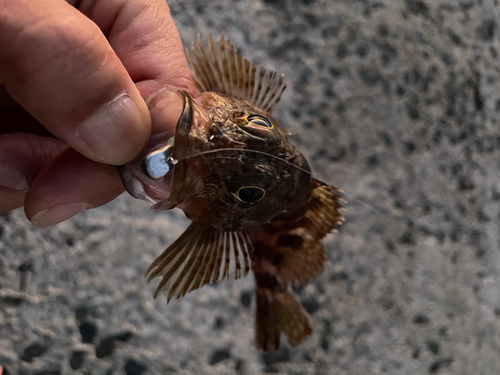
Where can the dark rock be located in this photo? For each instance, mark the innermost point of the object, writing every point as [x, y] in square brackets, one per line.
[412, 111]
[437, 365]
[76, 359]
[486, 31]
[454, 38]
[433, 346]
[421, 319]
[442, 331]
[339, 276]
[308, 357]
[133, 367]
[408, 148]
[246, 298]
[330, 31]
[311, 19]
[105, 347]
[13, 301]
[388, 53]
[218, 356]
[416, 353]
[88, 331]
[417, 7]
[385, 138]
[124, 336]
[372, 161]
[382, 30]
[478, 100]
[342, 51]
[328, 92]
[480, 253]
[363, 329]
[239, 366]
[407, 238]
[325, 344]
[369, 75]
[335, 73]
[311, 305]
[362, 51]
[281, 355]
[387, 304]
[33, 351]
[275, 2]
[448, 59]
[465, 183]
[219, 323]
[81, 312]
[271, 370]
[338, 155]
[26, 267]
[353, 147]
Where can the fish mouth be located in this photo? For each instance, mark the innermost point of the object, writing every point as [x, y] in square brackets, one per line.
[159, 173]
[181, 148]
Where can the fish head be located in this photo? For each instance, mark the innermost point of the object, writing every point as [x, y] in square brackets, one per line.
[236, 167]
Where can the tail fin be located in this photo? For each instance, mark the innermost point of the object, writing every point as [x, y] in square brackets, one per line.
[279, 312]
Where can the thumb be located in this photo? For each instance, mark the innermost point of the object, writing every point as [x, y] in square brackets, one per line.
[59, 66]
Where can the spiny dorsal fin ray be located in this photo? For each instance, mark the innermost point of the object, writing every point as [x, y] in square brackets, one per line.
[203, 254]
[224, 70]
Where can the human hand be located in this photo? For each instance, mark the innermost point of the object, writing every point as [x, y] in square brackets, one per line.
[79, 70]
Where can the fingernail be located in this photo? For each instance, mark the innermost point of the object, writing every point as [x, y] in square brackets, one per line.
[57, 214]
[117, 132]
[11, 177]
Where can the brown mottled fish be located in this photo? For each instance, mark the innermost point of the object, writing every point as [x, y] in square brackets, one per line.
[249, 192]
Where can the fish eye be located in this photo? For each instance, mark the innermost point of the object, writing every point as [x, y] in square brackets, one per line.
[250, 194]
[259, 121]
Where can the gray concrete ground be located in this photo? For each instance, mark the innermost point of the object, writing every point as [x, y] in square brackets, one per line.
[396, 102]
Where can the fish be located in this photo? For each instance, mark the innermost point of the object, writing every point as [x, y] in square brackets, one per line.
[250, 194]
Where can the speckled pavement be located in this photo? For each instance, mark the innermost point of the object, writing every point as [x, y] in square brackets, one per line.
[395, 102]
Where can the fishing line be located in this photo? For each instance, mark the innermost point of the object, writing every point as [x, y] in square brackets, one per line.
[244, 150]
[284, 161]
[371, 207]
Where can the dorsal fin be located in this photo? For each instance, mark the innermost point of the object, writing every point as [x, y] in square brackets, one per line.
[224, 70]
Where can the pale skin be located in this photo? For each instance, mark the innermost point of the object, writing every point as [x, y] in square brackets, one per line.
[73, 79]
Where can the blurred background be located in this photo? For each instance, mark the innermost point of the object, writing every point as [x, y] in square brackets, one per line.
[395, 102]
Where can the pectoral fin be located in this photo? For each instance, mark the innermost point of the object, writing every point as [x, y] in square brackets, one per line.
[293, 239]
[203, 254]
